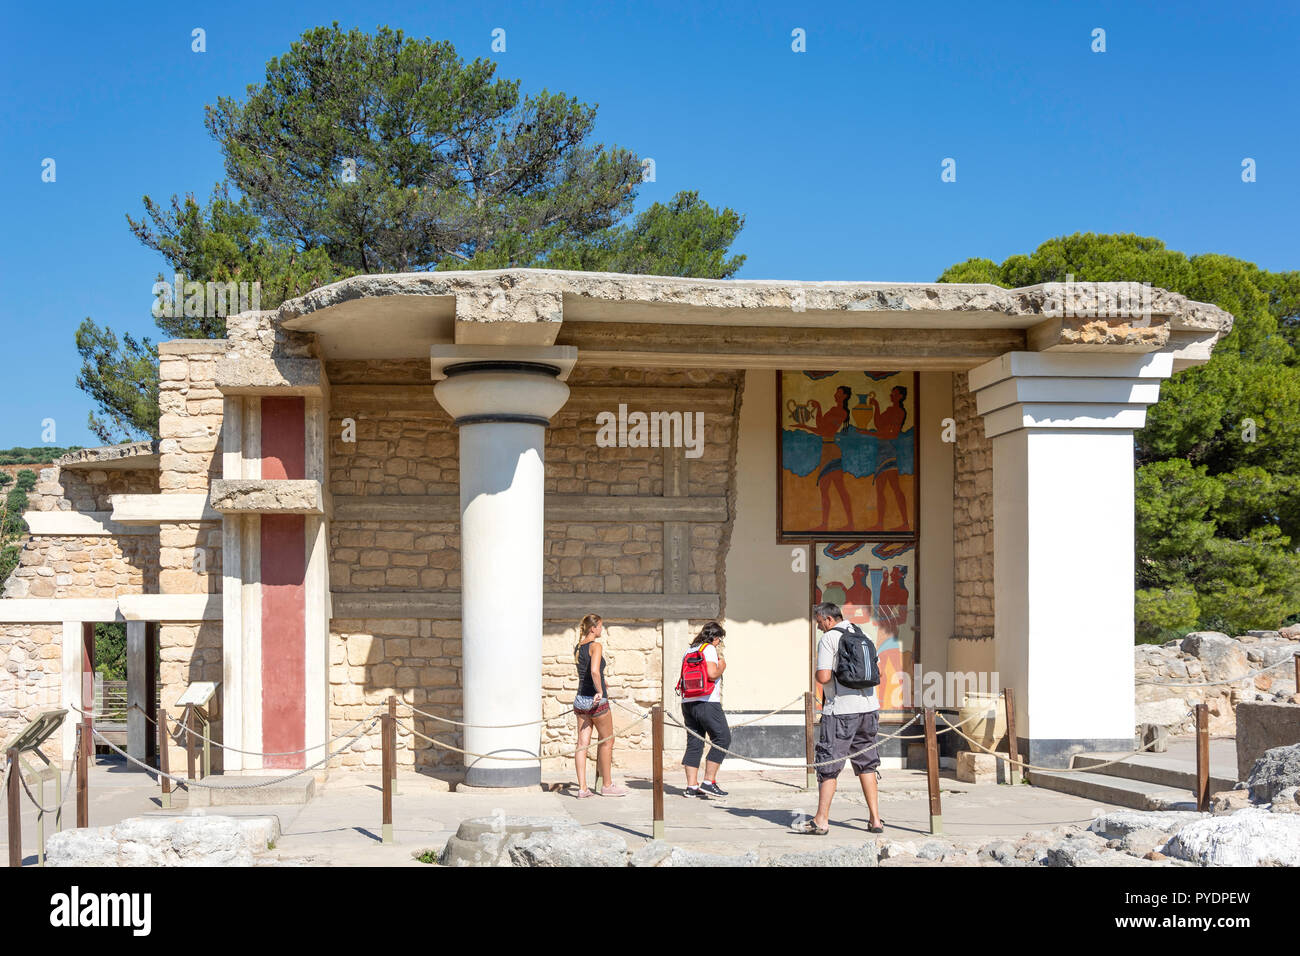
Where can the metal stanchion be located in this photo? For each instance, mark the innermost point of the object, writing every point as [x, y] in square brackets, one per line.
[1202, 757]
[657, 740]
[932, 771]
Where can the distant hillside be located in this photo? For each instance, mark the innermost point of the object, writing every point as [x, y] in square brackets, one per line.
[40, 455]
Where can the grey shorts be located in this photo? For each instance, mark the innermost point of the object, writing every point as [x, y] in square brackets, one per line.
[845, 734]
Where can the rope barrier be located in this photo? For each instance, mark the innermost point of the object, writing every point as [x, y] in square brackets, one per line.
[187, 783]
[528, 759]
[782, 709]
[1029, 766]
[822, 763]
[36, 803]
[251, 753]
[1217, 683]
[459, 723]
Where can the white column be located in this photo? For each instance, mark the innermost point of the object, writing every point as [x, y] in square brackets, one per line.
[232, 591]
[502, 406]
[1062, 428]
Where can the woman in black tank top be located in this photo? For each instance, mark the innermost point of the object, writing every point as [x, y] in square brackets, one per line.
[591, 704]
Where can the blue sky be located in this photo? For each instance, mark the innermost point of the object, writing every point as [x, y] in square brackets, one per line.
[832, 155]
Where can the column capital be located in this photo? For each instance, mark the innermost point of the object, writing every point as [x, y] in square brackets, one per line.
[1033, 390]
[502, 384]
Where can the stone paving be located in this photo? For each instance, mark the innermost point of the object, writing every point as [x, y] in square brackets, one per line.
[341, 825]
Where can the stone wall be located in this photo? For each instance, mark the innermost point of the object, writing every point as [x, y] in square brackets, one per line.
[69, 489]
[189, 653]
[1210, 656]
[31, 680]
[972, 519]
[93, 566]
[407, 446]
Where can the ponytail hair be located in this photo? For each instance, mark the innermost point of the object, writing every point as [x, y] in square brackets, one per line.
[709, 634]
[585, 627]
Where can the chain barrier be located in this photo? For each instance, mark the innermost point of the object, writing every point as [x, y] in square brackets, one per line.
[1218, 683]
[187, 783]
[528, 759]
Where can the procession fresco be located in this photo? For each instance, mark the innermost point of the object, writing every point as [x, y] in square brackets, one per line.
[847, 455]
[875, 587]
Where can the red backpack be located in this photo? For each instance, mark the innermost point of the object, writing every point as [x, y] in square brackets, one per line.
[695, 682]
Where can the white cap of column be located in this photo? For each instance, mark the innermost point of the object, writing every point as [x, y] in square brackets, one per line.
[502, 409]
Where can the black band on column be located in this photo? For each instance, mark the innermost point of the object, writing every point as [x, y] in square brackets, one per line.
[490, 365]
[502, 417]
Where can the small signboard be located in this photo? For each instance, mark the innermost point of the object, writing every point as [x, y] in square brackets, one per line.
[36, 732]
[198, 693]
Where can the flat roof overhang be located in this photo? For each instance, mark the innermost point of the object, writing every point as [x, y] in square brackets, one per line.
[662, 321]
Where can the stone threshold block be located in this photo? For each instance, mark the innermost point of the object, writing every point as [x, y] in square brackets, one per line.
[239, 374]
[153, 509]
[268, 496]
[170, 607]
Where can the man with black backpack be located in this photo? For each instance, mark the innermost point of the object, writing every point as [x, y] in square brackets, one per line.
[849, 671]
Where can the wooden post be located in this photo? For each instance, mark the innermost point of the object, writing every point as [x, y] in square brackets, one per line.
[163, 766]
[657, 782]
[1014, 772]
[187, 723]
[386, 745]
[15, 808]
[392, 730]
[83, 782]
[810, 781]
[1202, 757]
[85, 754]
[1297, 673]
[932, 771]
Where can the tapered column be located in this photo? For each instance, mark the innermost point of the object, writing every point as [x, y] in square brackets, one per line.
[1061, 426]
[502, 400]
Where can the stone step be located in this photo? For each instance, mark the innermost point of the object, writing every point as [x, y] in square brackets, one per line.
[1121, 791]
[1169, 772]
[234, 791]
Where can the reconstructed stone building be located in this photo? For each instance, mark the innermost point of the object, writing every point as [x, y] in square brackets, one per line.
[400, 485]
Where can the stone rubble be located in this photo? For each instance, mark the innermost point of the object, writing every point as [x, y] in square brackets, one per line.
[186, 840]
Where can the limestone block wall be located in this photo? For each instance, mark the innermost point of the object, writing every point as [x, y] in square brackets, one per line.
[405, 445]
[98, 566]
[31, 680]
[69, 489]
[417, 660]
[189, 653]
[972, 519]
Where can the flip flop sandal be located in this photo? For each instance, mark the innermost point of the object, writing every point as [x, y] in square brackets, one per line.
[811, 828]
[879, 829]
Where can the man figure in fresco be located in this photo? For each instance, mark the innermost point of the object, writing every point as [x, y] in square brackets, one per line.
[894, 661]
[850, 722]
[831, 474]
[859, 596]
[888, 427]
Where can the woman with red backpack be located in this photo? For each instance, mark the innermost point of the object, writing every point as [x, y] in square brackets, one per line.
[701, 690]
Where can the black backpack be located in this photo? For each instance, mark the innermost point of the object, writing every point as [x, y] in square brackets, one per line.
[856, 665]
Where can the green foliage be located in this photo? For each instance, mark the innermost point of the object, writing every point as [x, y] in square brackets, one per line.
[110, 650]
[364, 153]
[38, 455]
[1218, 479]
[12, 526]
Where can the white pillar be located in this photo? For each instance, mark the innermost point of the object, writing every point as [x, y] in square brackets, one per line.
[1062, 428]
[502, 400]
